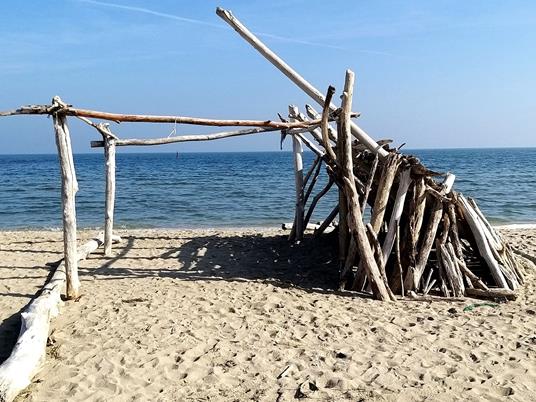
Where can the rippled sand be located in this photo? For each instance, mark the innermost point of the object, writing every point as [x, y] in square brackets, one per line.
[241, 315]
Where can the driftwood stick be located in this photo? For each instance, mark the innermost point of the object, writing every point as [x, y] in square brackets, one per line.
[318, 152]
[69, 187]
[138, 118]
[429, 287]
[481, 240]
[474, 279]
[442, 276]
[470, 278]
[315, 132]
[452, 270]
[379, 257]
[493, 238]
[29, 353]
[200, 137]
[313, 114]
[499, 249]
[295, 115]
[398, 259]
[428, 278]
[447, 268]
[324, 124]
[311, 170]
[396, 214]
[101, 128]
[355, 219]
[369, 183]
[495, 293]
[297, 228]
[418, 206]
[390, 166]
[329, 219]
[312, 184]
[459, 271]
[358, 132]
[109, 154]
[413, 276]
[317, 198]
[343, 229]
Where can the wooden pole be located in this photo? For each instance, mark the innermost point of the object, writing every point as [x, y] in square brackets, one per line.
[313, 114]
[109, 154]
[201, 137]
[324, 124]
[316, 132]
[355, 219]
[298, 227]
[396, 214]
[69, 187]
[316, 198]
[141, 118]
[370, 181]
[484, 248]
[413, 275]
[327, 222]
[345, 238]
[29, 353]
[297, 79]
[390, 167]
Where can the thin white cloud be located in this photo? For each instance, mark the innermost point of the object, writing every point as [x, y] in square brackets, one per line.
[152, 12]
[205, 23]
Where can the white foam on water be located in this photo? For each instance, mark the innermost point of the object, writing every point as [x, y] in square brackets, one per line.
[516, 226]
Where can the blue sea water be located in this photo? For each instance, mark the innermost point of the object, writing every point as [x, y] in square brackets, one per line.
[234, 189]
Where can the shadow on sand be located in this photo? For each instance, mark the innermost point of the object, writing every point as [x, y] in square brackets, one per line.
[311, 265]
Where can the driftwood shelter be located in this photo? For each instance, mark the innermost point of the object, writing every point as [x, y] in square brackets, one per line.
[402, 229]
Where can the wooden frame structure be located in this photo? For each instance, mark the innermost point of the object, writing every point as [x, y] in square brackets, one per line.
[421, 238]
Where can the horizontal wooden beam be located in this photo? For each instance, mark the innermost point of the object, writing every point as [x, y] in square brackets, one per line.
[192, 138]
[138, 118]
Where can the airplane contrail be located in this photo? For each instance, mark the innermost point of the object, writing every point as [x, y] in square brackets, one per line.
[201, 22]
[152, 12]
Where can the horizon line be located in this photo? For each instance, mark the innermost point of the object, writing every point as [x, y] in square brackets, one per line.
[276, 151]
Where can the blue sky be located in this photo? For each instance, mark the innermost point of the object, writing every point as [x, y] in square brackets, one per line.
[432, 74]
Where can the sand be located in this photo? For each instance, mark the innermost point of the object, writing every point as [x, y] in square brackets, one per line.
[240, 315]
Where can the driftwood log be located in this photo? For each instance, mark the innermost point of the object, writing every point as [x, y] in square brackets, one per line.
[109, 155]
[69, 187]
[28, 355]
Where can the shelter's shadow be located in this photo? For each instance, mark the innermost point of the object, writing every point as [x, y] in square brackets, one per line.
[312, 264]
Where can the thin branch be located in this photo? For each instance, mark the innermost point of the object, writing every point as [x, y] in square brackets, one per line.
[191, 138]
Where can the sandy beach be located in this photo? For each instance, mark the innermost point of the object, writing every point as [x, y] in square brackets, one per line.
[236, 315]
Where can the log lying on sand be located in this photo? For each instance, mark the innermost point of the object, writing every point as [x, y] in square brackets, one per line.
[28, 355]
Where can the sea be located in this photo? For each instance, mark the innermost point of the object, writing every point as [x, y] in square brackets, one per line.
[242, 189]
